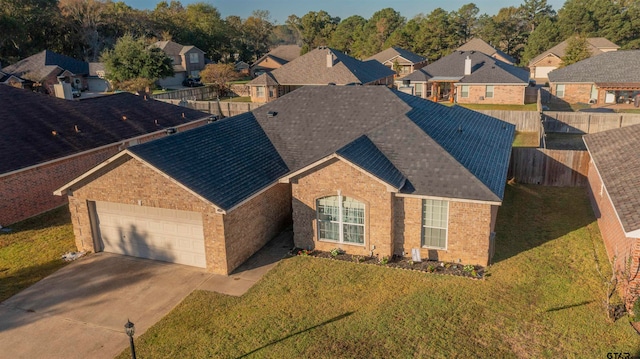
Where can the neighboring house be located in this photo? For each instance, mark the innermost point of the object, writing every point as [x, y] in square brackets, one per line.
[49, 141]
[11, 80]
[364, 168]
[402, 61]
[468, 77]
[188, 61]
[46, 68]
[241, 67]
[321, 66]
[97, 81]
[274, 59]
[541, 65]
[477, 44]
[614, 186]
[608, 78]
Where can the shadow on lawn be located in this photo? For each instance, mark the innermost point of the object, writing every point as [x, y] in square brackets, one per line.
[334, 319]
[569, 306]
[532, 215]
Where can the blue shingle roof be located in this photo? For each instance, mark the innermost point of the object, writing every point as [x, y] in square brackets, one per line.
[364, 153]
[225, 162]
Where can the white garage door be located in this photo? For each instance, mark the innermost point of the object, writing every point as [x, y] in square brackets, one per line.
[154, 233]
[542, 72]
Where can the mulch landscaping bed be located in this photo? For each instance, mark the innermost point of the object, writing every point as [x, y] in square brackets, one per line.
[428, 266]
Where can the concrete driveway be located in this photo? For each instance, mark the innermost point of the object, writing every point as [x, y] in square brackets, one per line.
[80, 310]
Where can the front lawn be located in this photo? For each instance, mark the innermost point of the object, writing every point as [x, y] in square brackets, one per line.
[32, 250]
[542, 298]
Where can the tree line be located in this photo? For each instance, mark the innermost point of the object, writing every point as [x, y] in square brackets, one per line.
[84, 29]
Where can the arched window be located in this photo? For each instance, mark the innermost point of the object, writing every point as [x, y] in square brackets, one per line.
[340, 219]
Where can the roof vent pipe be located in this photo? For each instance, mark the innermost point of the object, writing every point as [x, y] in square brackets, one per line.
[467, 66]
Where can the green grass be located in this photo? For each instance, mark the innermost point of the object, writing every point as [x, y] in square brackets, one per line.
[526, 139]
[236, 99]
[487, 107]
[542, 299]
[32, 250]
[240, 82]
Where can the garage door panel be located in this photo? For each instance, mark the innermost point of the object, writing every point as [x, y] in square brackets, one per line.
[154, 233]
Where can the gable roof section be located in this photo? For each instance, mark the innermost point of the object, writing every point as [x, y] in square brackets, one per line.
[364, 153]
[412, 133]
[477, 44]
[594, 44]
[485, 69]
[281, 54]
[394, 52]
[28, 119]
[617, 157]
[609, 67]
[225, 162]
[43, 63]
[311, 69]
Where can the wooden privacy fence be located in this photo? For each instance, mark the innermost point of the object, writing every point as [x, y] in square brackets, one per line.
[549, 167]
[525, 121]
[586, 122]
[226, 109]
[195, 93]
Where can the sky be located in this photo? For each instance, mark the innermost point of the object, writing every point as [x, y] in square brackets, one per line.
[281, 9]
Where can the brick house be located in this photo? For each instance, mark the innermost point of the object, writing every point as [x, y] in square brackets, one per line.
[274, 59]
[468, 77]
[188, 61]
[321, 66]
[477, 44]
[47, 68]
[401, 61]
[606, 79]
[49, 141]
[614, 188]
[365, 168]
[541, 65]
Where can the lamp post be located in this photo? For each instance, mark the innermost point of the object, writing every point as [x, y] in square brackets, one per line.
[129, 328]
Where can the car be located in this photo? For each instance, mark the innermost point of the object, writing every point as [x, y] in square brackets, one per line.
[75, 92]
[192, 82]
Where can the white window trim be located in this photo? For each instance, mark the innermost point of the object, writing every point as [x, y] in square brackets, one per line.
[563, 90]
[446, 229]
[341, 223]
[486, 91]
[258, 92]
[192, 57]
[462, 91]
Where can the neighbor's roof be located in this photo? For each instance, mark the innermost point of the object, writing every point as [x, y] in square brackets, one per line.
[43, 63]
[281, 54]
[477, 44]
[616, 155]
[484, 69]
[95, 67]
[608, 67]
[416, 146]
[173, 48]
[393, 52]
[311, 69]
[594, 44]
[28, 119]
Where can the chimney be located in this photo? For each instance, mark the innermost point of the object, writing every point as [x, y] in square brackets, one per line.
[467, 66]
[329, 59]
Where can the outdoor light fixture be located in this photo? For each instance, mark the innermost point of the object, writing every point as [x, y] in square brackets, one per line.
[130, 329]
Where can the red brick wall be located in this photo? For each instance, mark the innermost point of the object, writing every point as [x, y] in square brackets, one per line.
[392, 224]
[30, 192]
[469, 229]
[250, 226]
[620, 248]
[229, 239]
[573, 93]
[507, 95]
[326, 180]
